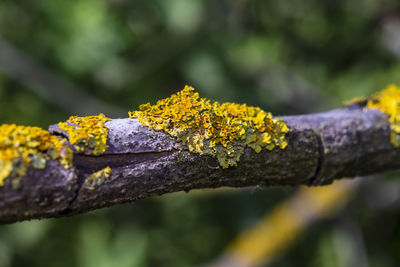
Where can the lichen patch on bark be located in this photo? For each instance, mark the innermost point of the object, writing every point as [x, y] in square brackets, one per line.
[88, 132]
[23, 146]
[220, 130]
[97, 178]
[388, 101]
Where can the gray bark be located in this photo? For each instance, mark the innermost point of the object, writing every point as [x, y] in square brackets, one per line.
[339, 143]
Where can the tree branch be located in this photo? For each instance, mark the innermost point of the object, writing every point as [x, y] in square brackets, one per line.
[339, 143]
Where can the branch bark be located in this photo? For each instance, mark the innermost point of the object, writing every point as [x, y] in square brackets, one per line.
[339, 143]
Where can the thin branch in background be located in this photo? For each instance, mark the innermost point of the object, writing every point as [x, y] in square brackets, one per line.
[264, 242]
[291, 89]
[50, 86]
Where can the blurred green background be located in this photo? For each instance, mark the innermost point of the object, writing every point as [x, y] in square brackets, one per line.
[62, 57]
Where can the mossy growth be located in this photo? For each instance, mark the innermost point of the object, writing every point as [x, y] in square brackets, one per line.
[23, 146]
[219, 130]
[97, 178]
[87, 132]
[388, 101]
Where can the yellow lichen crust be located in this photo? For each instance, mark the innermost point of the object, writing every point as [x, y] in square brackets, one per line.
[219, 130]
[87, 132]
[23, 146]
[354, 100]
[97, 178]
[388, 101]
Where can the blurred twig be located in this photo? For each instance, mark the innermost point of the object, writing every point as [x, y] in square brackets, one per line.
[293, 90]
[49, 85]
[279, 228]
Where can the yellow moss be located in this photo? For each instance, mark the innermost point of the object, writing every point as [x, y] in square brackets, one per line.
[87, 132]
[98, 177]
[388, 101]
[21, 146]
[220, 130]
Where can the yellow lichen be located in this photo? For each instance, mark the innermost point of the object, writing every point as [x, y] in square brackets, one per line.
[23, 146]
[87, 132]
[97, 178]
[220, 130]
[354, 100]
[388, 101]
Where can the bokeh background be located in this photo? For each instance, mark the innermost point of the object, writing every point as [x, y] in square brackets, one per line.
[83, 57]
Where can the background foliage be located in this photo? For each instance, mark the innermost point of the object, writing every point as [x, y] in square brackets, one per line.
[288, 57]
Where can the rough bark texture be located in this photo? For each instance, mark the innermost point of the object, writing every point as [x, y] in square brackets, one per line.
[344, 142]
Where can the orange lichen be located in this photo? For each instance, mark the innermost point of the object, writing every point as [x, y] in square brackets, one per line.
[388, 101]
[23, 146]
[220, 130]
[97, 178]
[87, 132]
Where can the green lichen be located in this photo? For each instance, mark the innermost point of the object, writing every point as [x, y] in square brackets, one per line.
[219, 130]
[23, 146]
[87, 132]
[98, 178]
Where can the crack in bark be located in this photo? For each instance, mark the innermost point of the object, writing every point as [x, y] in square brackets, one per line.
[80, 181]
[87, 164]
